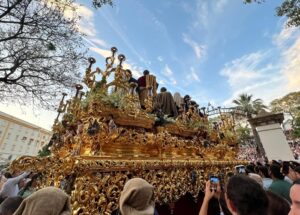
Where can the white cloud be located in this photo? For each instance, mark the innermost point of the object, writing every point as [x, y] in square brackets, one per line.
[86, 22]
[291, 68]
[202, 13]
[244, 70]
[160, 59]
[103, 52]
[168, 73]
[220, 4]
[99, 42]
[192, 76]
[253, 73]
[198, 49]
[126, 65]
[284, 35]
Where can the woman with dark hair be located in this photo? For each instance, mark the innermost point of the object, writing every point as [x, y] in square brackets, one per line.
[288, 171]
[279, 185]
[266, 178]
[244, 196]
[277, 204]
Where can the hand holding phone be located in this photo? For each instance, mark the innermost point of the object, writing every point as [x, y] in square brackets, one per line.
[214, 181]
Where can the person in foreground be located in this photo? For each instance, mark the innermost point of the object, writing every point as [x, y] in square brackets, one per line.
[295, 197]
[244, 196]
[10, 205]
[137, 198]
[47, 201]
[209, 194]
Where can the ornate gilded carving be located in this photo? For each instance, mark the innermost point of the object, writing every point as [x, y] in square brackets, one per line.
[104, 138]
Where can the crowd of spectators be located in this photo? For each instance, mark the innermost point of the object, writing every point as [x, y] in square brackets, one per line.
[255, 189]
[248, 152]
[295, 147]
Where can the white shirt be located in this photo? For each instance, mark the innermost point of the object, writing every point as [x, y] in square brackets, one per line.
[267, 183]
[10, 187]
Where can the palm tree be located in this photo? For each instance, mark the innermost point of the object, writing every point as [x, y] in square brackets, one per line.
[249, 106]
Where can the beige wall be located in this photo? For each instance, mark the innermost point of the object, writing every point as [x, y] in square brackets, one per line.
[18, 137]
[274, 142]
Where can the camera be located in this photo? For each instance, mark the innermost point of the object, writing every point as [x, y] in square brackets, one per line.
[214, 182]
[240, 169]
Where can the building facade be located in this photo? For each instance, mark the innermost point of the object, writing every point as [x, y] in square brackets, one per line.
[18, 137]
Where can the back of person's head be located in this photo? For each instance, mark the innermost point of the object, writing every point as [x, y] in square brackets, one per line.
[129, 71]
[47, 201]
[256, 178]
[263, 170]
[186, 98]
[285, 167]
[146, 72]
[163, 89]
[7, 175]
[297, 170]
[137, 198]
[250, 168]
[277, 204]
[275, 172]
[295, 197]
[10, 205]
[245, 196]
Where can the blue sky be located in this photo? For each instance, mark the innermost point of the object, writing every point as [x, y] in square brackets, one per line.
[212, 50]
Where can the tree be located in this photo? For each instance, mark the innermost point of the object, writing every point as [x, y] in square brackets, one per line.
[296, 128]
[249, 106]
[288, 8]
[243, 133]
[289, 104]
[41, 50]
[100, 3]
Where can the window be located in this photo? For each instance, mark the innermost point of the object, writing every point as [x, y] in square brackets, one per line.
[17, 137]
[24, 138]
[8, 136]
[30, 141]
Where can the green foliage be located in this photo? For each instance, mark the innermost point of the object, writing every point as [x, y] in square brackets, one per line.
[289, 104]
[288, 8]
[44, 152]
[248, 105]
[296, 128]
[100, 3]
[243, 133]
[114, 99]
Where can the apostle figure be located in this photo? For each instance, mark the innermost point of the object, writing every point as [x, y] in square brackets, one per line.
[133, 83]
[147, 86]
[178, 100]
[165, 101]
[187, 103]
[142, 90]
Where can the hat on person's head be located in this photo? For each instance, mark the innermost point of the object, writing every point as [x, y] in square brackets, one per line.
[137, 198]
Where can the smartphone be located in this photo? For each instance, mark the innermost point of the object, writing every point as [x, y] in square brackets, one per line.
[214, 182]
[240, 169]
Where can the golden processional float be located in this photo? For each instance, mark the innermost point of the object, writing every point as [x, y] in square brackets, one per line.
[104, 138]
